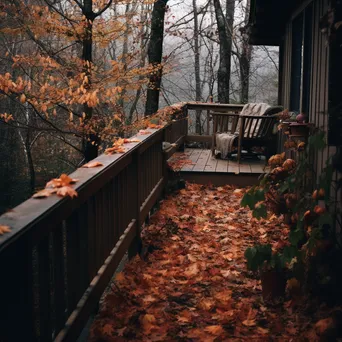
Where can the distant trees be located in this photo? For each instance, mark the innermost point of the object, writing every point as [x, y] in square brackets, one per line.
[74, 74]
[62, 81]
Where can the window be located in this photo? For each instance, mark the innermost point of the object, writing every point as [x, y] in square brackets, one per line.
[301, 61]
[335, 77]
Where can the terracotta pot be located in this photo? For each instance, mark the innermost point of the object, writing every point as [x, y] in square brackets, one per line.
[273, 284]
[299, 129]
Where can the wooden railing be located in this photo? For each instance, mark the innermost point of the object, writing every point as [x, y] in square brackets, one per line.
[205, 110]
[61, 253]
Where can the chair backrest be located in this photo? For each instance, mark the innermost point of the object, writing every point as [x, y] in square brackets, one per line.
[256, 127]
[224, 122]
[262, 126]
[255, 109]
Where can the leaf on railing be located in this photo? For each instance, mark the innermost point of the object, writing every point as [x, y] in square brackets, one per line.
[114, 149]
[92, 164]
[154, 126]
[44, 193]
[63, 180]
[117, 147]
[4, 229]
[60, 185]
[127, 141]
[143, 132]
[67, 191]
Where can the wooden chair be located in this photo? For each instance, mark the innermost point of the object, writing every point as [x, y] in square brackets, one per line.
[251, 131]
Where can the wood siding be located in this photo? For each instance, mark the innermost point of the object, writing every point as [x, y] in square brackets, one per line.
[319, 77]
[318, 94]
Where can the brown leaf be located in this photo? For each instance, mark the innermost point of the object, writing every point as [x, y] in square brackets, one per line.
[127, 141]
[262, 331]
[63, 180]
[108, 329]
[151, 125]
[121, 331]
[249, 322]
[143, 132]
[67, 191]
[206, 304]
[148, 323]
[92, 164]
[114, 149]
[192, 270]
[323, 325]
[184, 316]
[44, 193]
[214, 330]
[4, 229]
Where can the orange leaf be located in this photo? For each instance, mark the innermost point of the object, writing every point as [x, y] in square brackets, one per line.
[249, 322]
[148, 323]
[127, 141]
[115, 149]
[44, 193]
[4, 229]
[22, 98]
[142, 132]
[92, 164]
[108, 329]
[323, 325]
[154, 126]
[63, 180]
[214, 330]
[67, 191]
[191, 270]
[121, 331]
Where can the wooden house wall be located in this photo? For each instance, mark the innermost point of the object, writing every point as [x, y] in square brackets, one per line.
[318, 94]
[319, 79]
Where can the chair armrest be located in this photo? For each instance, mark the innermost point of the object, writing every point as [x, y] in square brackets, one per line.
[259, 117]
[224, 114]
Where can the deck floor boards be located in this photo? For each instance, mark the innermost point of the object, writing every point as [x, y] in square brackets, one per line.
[203, 161]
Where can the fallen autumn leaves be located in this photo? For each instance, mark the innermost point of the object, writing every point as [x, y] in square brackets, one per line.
[194, 286]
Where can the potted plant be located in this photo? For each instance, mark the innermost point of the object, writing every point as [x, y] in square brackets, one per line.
[299, 129]
[271, 267]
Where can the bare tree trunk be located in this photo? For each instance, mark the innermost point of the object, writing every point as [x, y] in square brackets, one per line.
[245, 59]
[225, 38]
[124, 59]
[196, 48]
[30, 161]
[143, 33]
[155, 51]
[91, 141]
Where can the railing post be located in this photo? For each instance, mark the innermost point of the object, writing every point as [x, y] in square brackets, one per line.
[136, 245]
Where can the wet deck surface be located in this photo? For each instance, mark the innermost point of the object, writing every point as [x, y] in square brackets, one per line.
[203, 161]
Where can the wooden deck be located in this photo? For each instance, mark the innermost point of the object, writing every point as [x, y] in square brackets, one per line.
[205, 168]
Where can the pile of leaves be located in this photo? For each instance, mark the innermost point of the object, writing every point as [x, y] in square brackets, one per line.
[193, 284]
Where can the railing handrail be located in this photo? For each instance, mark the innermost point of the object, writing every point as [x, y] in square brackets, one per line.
[61, 253]
[26, 214]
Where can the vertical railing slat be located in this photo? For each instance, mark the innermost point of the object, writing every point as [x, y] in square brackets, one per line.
[59, 282]
[44, 290]
[73, 261]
